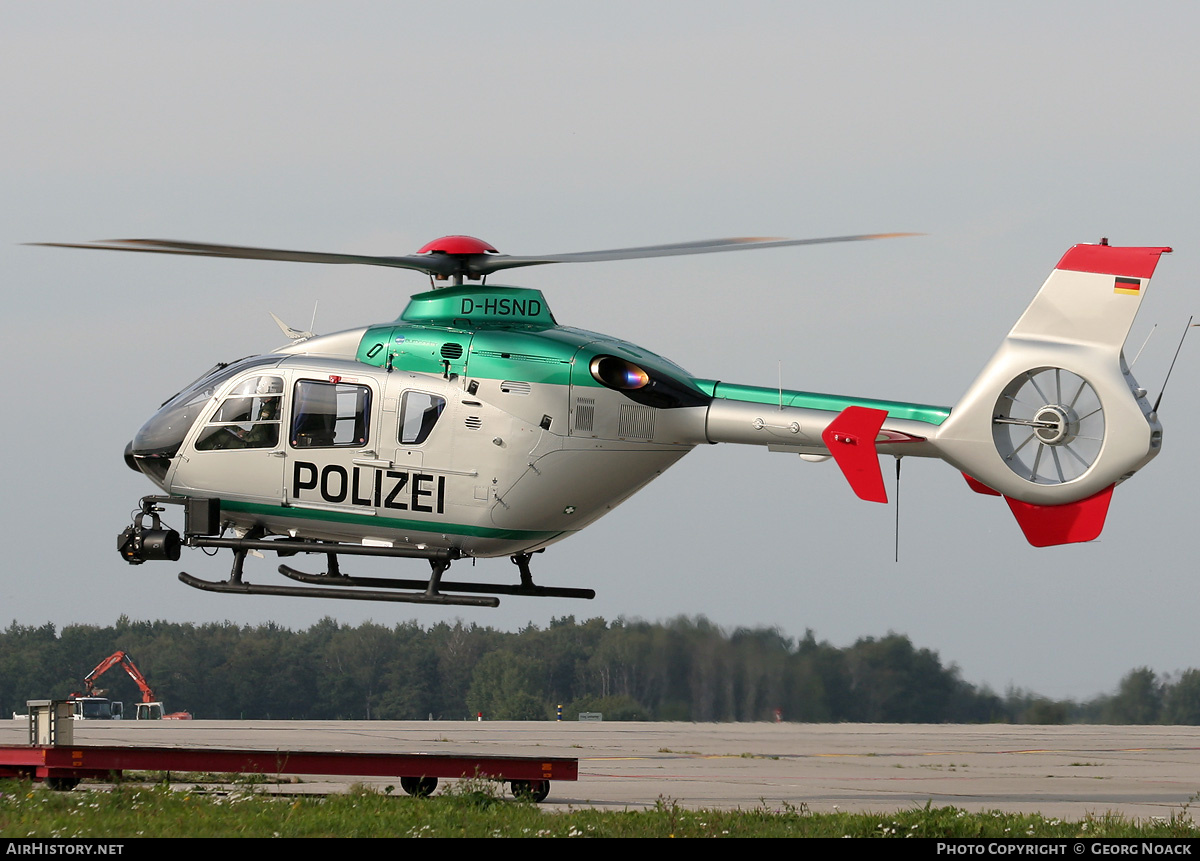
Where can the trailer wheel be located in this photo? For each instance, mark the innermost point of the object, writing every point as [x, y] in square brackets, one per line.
[62, 784]
[420, 787]
[530, 790]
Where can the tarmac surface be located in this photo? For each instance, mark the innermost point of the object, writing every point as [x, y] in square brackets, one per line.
[1058, 771]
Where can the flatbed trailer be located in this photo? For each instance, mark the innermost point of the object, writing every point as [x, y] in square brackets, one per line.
[63, 766]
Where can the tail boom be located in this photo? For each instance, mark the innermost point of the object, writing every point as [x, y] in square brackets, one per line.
[1053, 422]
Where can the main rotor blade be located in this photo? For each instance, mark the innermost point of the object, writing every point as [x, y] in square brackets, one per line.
[445, 265]
[703, 246]
[437, 265]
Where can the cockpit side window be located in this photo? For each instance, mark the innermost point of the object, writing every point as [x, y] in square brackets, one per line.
[329, 415]
[248, 417]
[419, 412]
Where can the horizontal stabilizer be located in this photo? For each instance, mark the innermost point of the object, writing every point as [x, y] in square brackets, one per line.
[850, 438]
[1047, 525]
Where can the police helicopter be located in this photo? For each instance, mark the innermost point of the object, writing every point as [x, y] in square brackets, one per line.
[475, 425]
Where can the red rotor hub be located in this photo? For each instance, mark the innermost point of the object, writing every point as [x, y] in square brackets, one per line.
[457, 245]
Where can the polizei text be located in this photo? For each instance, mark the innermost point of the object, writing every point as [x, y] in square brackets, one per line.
[373, 488]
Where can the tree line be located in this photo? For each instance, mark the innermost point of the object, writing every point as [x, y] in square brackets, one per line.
[685, 669]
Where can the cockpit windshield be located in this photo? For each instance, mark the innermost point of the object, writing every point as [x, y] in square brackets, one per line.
[163, 434]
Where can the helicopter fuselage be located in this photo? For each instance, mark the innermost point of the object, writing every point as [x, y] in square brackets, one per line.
[486, 437]
[472, 423]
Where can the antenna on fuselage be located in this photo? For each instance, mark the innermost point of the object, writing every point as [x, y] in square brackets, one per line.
[1176, 356]
[897, 528]
[1144, 343]
[294, 334]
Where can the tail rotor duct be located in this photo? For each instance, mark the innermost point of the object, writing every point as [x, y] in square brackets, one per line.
[1048, 426]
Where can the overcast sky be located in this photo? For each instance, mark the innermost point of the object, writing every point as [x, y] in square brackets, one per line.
[1005, 132]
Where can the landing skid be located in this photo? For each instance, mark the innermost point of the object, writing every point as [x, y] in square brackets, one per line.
[344, 594]
[431, 591]
[530, 590]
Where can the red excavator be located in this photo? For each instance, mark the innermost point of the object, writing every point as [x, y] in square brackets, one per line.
[93, 706]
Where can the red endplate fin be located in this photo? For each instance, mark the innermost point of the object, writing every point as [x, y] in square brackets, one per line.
[1047, 525]
[850, 438]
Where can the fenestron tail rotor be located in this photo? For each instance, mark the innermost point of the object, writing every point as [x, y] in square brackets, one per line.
[458, 258]
[1049, 425]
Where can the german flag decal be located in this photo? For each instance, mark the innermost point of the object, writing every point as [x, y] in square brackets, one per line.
[1128, 286]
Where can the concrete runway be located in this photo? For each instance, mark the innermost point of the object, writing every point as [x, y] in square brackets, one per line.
[1064, 771]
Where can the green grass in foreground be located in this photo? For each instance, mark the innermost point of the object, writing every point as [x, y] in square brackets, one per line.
[476, 809]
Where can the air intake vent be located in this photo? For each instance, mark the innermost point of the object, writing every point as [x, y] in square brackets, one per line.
[511, 388]
[585, 413]
[473, 422]
[635, 422]
[452, 351]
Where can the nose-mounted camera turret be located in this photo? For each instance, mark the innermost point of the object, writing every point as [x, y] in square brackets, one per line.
[139, 542]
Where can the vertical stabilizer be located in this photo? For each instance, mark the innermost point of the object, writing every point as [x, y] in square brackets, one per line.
[1091, 297]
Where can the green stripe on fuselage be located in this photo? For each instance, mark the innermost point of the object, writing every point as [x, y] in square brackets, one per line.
[814, 401]
[386, 522]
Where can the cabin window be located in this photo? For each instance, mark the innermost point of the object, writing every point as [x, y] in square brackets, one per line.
[419, 412]
[328, 415]
[248, 417]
